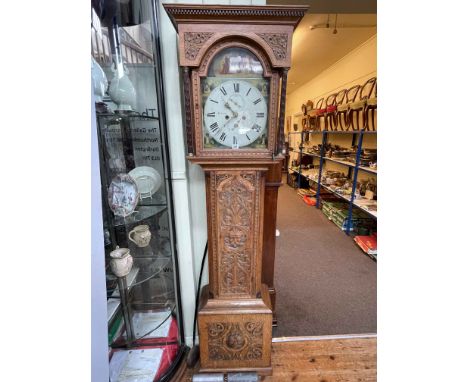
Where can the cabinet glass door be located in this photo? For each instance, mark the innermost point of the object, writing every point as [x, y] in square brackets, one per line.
[144, 318]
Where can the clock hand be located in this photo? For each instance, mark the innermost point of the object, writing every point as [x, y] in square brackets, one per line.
[229, 124]
[235, 103]
[227, 106]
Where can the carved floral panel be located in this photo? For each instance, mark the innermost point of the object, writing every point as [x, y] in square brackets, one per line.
[229, 341]
[193, 43]
[237, 215]
[278, 43]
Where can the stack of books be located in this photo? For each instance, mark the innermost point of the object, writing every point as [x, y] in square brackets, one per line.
[367, 243]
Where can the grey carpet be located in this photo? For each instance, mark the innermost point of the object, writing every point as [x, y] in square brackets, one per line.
[325, 284]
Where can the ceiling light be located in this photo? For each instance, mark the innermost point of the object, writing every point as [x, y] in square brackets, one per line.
[336, 19]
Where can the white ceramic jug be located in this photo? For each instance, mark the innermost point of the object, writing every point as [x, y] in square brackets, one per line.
[140, 235]
[121, 262]
[121, 89]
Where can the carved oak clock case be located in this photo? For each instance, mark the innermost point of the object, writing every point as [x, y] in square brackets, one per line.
[235, 61]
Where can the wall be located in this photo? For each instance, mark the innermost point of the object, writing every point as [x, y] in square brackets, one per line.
[354, 68]
[187, 179]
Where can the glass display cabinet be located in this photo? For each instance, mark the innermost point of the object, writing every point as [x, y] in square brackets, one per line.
[144, 317]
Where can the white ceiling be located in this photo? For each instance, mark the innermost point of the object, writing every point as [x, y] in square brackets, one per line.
[332, 6]
[315, 50]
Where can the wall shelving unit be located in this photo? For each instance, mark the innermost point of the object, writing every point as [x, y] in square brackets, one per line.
[353, 168]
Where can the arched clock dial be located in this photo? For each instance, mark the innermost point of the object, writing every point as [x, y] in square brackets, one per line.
[235, 114]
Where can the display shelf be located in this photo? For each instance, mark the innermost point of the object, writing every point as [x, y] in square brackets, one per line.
[311, 154]
[353, 168]
[344, 197]
[361, 207]
[368, 169]
[345, 163]
[312, 179]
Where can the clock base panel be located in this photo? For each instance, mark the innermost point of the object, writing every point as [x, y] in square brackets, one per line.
[235, 335]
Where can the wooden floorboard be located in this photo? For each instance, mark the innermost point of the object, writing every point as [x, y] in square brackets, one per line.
[328, 360]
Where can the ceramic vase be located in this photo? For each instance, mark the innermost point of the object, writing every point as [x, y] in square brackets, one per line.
[121, 89]
[140, 235]
[99, 80]
[121, 262]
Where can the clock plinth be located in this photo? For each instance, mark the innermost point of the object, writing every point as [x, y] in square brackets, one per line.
[235, 335]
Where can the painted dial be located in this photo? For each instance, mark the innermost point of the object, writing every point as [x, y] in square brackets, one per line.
[235, 114]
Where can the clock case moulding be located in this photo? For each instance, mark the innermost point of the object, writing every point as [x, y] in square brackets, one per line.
[235, 312]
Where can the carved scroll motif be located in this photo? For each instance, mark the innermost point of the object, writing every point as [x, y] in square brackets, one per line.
[236, 222]
[278, 43]
[194, 42]
[229, 341]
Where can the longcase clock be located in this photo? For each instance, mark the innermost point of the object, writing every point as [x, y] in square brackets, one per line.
[235, 61]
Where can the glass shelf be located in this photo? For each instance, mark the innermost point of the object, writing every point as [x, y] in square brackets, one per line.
[141, 213]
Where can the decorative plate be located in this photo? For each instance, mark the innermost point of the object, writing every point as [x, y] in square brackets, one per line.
[123, 195]
[147, 179]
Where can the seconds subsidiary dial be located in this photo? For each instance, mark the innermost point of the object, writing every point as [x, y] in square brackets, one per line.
[235, 114]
